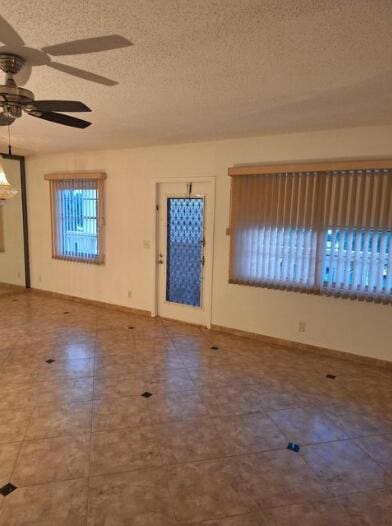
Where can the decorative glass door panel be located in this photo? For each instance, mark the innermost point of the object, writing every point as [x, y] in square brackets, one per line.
[184, 266]
[184, 251]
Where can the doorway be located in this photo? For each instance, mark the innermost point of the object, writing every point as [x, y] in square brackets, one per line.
[184, 242]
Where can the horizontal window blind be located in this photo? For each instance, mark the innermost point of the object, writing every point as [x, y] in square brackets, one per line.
[77, 219]
[324, 232]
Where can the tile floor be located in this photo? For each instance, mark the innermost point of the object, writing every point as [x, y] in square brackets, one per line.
[83, 447]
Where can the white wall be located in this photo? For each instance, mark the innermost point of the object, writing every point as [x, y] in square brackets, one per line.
[12, 259]
[346, 325]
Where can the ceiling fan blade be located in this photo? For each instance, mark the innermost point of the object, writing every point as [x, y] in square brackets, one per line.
[4, 120]
[59, 105]
[88, 45]
[82, 74]
[8, 35]
[59, 118]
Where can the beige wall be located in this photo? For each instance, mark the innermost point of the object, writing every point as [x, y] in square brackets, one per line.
[12, 259]
[345, 325]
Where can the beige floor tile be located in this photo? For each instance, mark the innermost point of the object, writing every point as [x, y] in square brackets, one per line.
[344, 467]
[75, 351]
[120, 413]
[65, 391]
[53, 420]
[135, 498]
[320, 514]
[13, 424]
[189, 441]
[20, 398]
[124, 450]
[8, 456]
[379, 448]
[358, 424]
[117, 365]
[231, 399]
[306, 426]
[65, 368]
[172, 407]
[207, 490]
[278, 478]
[3, 355]
[136, 384]
[57, 503]
[52, 459]
[250, 519]
[369, 509]
[249, 433]
[10, 379]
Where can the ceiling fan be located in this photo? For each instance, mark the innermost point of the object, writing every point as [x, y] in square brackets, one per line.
[14, 100]
[16, 60]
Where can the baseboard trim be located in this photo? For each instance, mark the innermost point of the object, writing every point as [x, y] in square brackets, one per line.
[93, 303]
[305, 347]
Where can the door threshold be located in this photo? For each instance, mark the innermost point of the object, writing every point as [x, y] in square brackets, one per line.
[173, 320]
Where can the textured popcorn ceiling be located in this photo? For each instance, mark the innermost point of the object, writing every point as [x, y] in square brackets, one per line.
[209, 69]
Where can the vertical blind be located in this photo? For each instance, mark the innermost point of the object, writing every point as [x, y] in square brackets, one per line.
[77, 218]
[324, 232]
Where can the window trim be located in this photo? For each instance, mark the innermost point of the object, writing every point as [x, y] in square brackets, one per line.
[99, 177]
[329, 166]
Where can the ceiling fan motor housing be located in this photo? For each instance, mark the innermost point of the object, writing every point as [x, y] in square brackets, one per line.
[11, 64]
[12, 97]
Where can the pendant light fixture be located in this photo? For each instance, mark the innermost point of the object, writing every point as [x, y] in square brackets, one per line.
[6, 190]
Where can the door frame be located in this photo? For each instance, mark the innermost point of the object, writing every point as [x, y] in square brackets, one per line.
[156, 181]
[25, 222]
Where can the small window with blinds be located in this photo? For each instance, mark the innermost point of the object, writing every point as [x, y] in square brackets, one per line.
[77, 216]
[324, 228]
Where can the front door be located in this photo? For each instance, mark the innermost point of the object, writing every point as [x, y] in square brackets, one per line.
[184, 251]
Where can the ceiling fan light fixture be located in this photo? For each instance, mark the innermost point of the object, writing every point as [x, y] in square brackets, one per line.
[6, 190]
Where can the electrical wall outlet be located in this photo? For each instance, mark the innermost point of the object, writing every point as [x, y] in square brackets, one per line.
[147, 243]
[39, 279]
[301, 326]
[129, 294]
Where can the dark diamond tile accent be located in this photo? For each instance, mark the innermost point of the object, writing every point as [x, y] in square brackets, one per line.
[66, 312]
[130, 327]
[7, 489]
[50, 360]
[293, 447]
[331, 376]
[147, 394]
[215, 348]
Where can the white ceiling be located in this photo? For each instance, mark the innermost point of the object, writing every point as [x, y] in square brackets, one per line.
[209, 69]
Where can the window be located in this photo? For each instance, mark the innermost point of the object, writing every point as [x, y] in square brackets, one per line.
[321, 228]
[77, 216]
